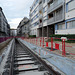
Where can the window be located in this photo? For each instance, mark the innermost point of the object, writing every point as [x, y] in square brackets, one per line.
[34, 5]
[35, 17]
[50, 4]
[36, 23]
[71, 5]
[44, 1]
[59, 11]
[71, 24]
[61, 26]
[45, 18]
[50, 15]
[40, 2]
[44, 9]
[36, 2]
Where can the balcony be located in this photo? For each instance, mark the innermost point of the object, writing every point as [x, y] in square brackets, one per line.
[50, 21]
[55, 5]
[40, 6]
[55, 19]
[59, 17]
[40, 25]
[40, 16]
[40, 1]
[49, 1]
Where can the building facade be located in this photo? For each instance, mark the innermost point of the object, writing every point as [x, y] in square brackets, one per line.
[4, 26]
[13, 32]
[69, 25]
[45, 15]
[23, 28]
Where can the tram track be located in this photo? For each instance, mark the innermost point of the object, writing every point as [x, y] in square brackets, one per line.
[22, 61]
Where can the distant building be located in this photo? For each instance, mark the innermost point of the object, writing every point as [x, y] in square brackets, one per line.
[23, 28]
[4, 26]
[13, 32]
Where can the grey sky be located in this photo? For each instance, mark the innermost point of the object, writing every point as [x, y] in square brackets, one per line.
[15, 10]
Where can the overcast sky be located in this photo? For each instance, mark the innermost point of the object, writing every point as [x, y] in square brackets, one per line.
[15, 10]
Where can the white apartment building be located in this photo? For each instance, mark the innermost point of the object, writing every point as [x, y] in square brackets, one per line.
[44, 15]
[52, 17]
[68, 27]
[34, 17]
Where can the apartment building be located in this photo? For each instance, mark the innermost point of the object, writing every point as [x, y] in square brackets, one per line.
[45, 15]
[4, 26]
[68, 27]
[23, 28]
[34, 17]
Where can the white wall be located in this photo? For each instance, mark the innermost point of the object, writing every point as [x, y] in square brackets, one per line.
[66, 31]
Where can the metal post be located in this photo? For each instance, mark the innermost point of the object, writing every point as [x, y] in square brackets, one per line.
[39, 51]
[51, 44]
[43, 41]
[63, 47]
[36, 41]
[40, 42]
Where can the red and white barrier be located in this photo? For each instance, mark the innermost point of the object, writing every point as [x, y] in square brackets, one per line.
[41, 42]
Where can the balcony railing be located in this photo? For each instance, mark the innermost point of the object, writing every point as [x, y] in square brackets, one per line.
[59, 17]
[51, 20]
[56, 19]
[40, 25]
[40, 16]
[55, 5]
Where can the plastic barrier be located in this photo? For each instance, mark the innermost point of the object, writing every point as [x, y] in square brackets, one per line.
[52, 45]
[2, 39]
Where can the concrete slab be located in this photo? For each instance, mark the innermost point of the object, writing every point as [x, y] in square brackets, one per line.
[26, 67]
[24, 58]
[22, 55]
[32, 73]
[24, 62]
[20, 52]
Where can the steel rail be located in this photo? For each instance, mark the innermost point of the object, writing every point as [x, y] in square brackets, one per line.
[48, 67]
[12, 56]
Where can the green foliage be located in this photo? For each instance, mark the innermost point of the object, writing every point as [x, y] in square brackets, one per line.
[32, 36]
[69, 36]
